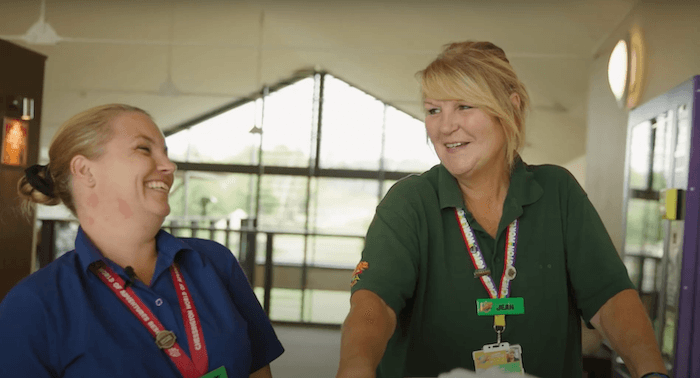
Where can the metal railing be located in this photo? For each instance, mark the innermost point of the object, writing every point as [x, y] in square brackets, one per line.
[247, 252]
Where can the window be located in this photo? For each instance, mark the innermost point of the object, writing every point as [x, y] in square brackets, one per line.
[308, 159]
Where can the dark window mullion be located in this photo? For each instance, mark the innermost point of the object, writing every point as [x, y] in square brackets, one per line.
[652, 145]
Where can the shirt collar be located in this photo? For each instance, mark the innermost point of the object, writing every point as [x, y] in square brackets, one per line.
[523, 190]
[449, 194]
[86, 250]
[167, 246]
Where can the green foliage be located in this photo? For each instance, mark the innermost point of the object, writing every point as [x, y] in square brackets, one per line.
[643, 223]
[638, 180]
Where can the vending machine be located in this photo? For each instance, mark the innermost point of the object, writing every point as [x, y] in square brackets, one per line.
[661, 209]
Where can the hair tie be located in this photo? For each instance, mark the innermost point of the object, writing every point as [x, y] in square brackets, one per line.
[42, 184]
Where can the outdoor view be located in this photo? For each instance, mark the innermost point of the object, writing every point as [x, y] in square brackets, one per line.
[357, 132]
[658, 161]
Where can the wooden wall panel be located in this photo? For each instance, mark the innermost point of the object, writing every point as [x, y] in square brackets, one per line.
[21, 75]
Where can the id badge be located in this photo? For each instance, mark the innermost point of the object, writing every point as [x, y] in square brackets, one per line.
[218, 373]
[500, 358]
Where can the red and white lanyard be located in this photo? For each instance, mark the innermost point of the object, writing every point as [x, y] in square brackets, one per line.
[189, 368]
[478, 257]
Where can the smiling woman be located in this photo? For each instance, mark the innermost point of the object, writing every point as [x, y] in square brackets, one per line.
[131, 297]
[440, 278]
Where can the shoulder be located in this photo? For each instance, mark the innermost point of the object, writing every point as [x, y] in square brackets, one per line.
[205, 245]
[550, 172]
[42, 292]
[413, 189]
[555, 177]
[61, 274]
[220, 257]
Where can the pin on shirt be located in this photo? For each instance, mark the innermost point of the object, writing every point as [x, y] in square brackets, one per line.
[511, 272]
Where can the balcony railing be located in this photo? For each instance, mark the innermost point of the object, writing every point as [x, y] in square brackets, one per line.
[261, 272]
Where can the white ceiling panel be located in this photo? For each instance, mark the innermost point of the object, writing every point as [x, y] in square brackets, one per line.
[179, 59]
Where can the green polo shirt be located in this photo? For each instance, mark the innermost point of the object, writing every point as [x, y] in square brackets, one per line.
[418, 263]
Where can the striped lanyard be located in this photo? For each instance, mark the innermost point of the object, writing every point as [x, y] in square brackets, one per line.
[478, 258]
[481, 270]
[166, 340]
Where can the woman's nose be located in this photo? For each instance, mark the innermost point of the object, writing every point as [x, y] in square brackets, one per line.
[448, 122]
[167, 165]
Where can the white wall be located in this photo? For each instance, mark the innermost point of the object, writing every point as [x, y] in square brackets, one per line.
[671, 31]
[577, 167]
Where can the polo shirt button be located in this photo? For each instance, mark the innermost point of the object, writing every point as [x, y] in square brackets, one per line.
[159, 302]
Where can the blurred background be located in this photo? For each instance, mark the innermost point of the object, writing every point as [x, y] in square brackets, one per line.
[289, 120]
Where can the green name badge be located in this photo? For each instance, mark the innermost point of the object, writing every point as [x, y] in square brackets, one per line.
[218, 373]
[500, 306]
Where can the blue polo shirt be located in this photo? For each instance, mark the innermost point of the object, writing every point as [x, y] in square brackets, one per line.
[62, 321]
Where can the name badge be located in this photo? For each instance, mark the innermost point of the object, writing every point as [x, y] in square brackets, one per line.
[499, 358]
[500, 306]
[218, 373]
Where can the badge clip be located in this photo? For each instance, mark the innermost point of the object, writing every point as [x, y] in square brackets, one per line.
[499, 325]
[165, 339]
[481, 272]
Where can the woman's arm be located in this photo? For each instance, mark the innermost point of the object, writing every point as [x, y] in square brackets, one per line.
[624, 322]
[366, 332]
[262, 373]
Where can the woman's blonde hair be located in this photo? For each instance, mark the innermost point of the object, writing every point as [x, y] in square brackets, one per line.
[480, 74]
[86, 134]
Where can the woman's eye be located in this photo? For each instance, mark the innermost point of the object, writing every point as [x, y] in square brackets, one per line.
[465, 107]
[433, 111]
[144, 148]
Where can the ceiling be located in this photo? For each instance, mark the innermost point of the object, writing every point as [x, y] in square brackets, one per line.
[180, 59]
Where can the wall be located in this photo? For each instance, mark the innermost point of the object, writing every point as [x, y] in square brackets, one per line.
[671, 33]
[21, 74]
[577, 167]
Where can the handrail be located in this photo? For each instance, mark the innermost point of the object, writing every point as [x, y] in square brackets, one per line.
[247, 248]
[266, 231]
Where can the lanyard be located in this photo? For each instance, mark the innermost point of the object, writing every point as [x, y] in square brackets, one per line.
[480, 263]
[481, 269]
[189, 368]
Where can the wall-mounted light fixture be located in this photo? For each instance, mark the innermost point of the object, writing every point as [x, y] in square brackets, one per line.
[626, 69]
[20, 107]
[27, 109]
[15, 142]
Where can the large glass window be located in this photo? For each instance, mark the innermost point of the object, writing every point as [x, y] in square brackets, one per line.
[352, 127]
[283, 202]
[303, 166]
[343, 206]
[225, 138]
[407, 147]
[287, 125]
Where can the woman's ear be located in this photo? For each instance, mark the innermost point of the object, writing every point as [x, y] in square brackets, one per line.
[515, 99]
[81, 169]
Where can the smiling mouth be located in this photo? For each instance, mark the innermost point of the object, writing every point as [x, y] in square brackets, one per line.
[453, 145]
[158, 185]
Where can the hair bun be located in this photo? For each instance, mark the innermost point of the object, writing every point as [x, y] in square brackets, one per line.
[40, 179]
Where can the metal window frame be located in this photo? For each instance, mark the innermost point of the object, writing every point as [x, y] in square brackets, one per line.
[313, 170]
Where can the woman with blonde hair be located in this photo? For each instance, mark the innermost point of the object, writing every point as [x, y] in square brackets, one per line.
[131, 300]
[484, 256]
